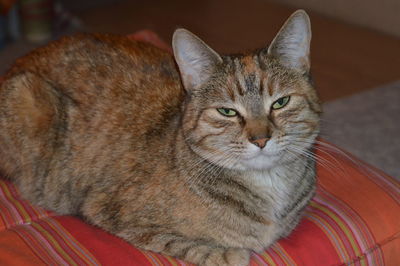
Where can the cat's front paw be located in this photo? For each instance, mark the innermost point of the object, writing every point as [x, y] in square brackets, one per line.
[227, 257]
[198, 251]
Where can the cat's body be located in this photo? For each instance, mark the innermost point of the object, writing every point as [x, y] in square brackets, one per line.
[101, 127]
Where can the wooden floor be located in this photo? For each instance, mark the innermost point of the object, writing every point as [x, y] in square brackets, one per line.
[345, 59]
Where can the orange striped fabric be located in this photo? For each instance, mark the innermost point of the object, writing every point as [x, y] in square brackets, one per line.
[34, 235]
[354, 219]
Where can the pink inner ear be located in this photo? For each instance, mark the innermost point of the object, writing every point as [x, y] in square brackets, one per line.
[150, 37]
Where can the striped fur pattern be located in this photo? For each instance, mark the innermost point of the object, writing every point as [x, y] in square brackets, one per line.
[101, 127]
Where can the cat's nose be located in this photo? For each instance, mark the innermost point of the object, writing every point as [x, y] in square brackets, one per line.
[260, 142]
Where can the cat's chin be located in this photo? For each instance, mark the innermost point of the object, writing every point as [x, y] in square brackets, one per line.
[260, 162]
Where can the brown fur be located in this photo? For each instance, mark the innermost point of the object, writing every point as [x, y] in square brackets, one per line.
[100, 126]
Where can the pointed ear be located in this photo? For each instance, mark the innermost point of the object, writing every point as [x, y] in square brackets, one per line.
[196, 61]
[291, 46]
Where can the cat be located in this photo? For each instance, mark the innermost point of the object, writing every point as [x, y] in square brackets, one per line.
[195, 155]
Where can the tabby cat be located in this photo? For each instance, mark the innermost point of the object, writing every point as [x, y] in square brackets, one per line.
[205, 161]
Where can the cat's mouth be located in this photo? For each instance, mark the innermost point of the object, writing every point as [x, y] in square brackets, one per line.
[261, 159]
[272, 149]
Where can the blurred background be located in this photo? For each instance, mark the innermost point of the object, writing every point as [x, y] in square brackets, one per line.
[355, 50]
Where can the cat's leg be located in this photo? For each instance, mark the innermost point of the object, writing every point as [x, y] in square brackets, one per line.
[198, 251]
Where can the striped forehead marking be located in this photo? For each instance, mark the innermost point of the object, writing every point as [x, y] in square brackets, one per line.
[248, 75]
[240, 83]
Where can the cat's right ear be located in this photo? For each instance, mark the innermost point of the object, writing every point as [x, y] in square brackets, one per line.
[291, 46]
[195, 59]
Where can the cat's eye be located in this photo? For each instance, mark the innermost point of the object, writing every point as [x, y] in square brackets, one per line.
[227, 112]
[281, 102]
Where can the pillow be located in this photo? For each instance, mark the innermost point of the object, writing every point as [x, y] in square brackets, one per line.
[354, 218]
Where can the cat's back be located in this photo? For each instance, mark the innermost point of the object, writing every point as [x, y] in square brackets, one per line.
[81, 109]
[86, 55]
[108, 74]
[86, 64]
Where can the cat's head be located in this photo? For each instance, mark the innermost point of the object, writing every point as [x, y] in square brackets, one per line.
[249, 111]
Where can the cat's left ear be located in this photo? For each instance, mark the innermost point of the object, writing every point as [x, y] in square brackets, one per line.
[195, 59]
[291, 46]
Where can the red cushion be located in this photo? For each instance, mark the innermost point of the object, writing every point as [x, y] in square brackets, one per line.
[354, 218]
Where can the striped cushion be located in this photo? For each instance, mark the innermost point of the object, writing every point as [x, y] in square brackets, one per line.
[354, 218]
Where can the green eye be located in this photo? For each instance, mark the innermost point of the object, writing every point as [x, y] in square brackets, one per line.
[281, 102]
[227, 112]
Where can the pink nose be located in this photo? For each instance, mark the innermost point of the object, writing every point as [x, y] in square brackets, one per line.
[260, 142]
